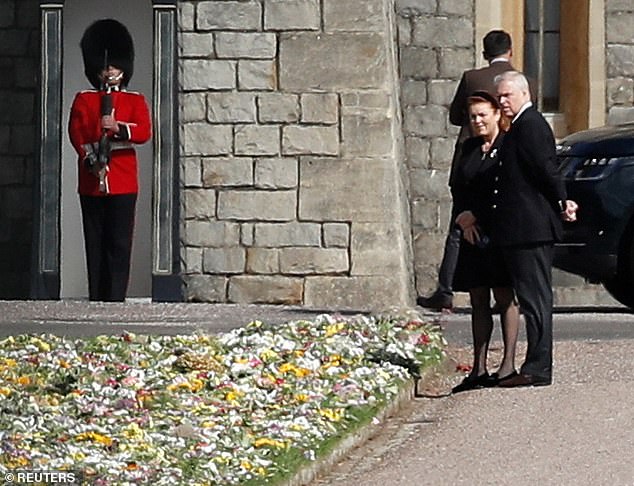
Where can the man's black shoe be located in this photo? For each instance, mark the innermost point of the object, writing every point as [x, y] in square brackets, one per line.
[436, 301]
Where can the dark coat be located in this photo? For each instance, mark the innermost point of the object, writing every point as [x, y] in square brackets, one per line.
[528, 193]
[472, 80]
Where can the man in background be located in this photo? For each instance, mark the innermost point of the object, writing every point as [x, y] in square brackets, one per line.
[497, 51]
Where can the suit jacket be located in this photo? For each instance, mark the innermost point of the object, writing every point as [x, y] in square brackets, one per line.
[528, 193]
[84, 128]
[472, 80]
[475, 178]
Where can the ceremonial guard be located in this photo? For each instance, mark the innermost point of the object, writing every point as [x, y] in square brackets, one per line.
[105, 124]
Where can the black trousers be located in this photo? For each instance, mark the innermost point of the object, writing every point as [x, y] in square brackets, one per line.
[530, 267]
[108, 229]
[447, 268]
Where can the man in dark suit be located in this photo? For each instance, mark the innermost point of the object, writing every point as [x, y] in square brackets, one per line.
[497, 50]
[527, 206]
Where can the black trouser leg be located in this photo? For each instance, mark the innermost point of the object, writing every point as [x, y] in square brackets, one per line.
[531, 272]
[108, 229]
[449, 260]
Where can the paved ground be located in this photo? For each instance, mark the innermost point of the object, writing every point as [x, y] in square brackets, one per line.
[579, 431]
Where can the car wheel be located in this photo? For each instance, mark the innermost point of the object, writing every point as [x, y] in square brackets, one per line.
[621, 287]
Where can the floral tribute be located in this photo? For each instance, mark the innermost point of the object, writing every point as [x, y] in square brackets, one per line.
[200, 409]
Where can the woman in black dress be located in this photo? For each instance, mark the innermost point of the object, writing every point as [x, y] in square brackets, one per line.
[480, 270]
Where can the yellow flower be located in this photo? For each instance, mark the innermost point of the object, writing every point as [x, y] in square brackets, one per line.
[133, 432]
[5, 391]
[334, 415]
[9, 362]
[335, 328]
[265, 441]
[301, 397]
[24, 380]
[245, 464]
[299, 372]
[95, 437]
[64, 364]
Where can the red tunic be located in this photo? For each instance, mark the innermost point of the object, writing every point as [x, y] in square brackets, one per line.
[84, 127]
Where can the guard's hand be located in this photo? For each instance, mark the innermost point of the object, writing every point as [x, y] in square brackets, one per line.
[108, 122]
[570, 212]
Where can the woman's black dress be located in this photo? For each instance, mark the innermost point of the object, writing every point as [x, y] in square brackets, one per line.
[472, 190]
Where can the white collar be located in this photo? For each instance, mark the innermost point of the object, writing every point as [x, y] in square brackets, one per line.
[524, 107]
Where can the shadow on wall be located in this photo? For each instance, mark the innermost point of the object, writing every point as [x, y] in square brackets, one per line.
[19, 53]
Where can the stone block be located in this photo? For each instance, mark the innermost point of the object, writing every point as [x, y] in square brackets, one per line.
[442, 32]
[360, 102]
[464, 8]
[415, 8]
[453, 62]
[374, 249]
[355, 15]
[192, 172]
[200, 203]
[425, 214]
[442, 149]
[14, 42]
[320, 108]
[618, 28]
[419, 63]
[8, 13]
[330, 56]
[620, 91]
[302, 139]
[429, 184]
[309, 260]
[251, 45]
[227, 172]
[404, 27]
[442, 91]
[205, 288]
[211, 234]
[417, 152]
[11, 170]
[9, 100]
[620, 61]
[192, 260]
[263, 260]
[199, 74]
[618, 115]
[277, 173]
[272, 235]
[206, 139]
[224, 260]
[186, 16]
[257, 206]
[231, 107]
[257, 75]
[266, 289]
[291, 15]
[373, 294]
[5, 138]
[347, 190]
[618, 5]
[367, 135]
[229, 15]
[257, 140]
[16, 202]
[336, 235]
[196, 44]
[193, 107]
[247, 234]
[278, 108]
[425, 121]
[413, 92]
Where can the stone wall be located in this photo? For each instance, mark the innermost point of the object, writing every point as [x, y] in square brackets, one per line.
[291, 154]
[436, 41]
[19, 56]
[619, 18]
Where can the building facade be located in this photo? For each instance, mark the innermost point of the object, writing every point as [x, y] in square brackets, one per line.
[301, 147]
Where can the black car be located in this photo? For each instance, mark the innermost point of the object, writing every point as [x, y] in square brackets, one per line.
[598, 167]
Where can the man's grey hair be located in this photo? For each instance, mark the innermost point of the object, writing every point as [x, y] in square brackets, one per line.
[514, 77]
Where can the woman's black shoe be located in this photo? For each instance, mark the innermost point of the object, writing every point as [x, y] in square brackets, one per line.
[471, 383]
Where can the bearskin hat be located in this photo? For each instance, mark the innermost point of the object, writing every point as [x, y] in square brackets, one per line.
[107, 42]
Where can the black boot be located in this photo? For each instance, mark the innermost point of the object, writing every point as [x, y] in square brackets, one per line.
[436, 301]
